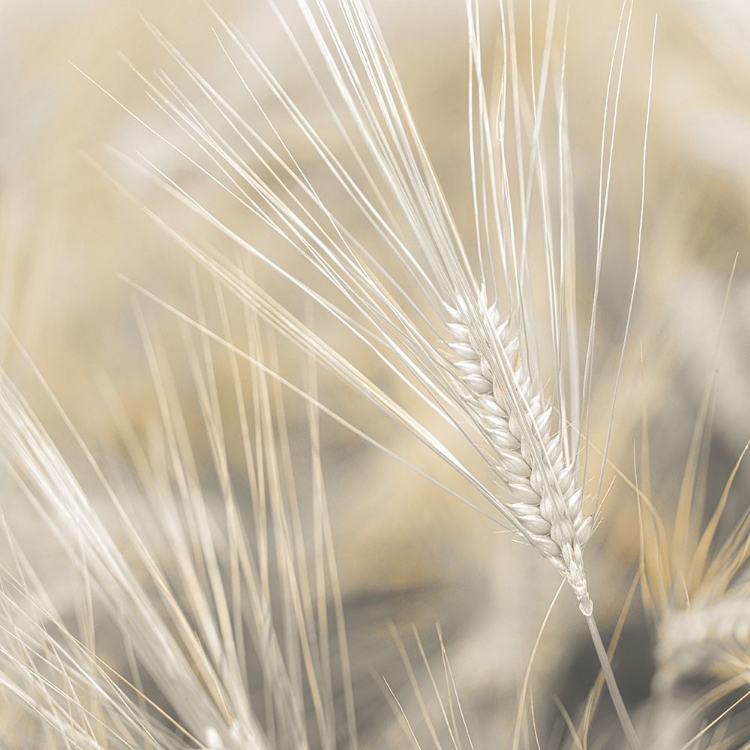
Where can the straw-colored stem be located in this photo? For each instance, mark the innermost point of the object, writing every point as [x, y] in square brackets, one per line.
[614, 691]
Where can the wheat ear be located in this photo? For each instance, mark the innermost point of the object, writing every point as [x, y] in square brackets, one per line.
[696, 584]
[209, 645]
[699, 640]
[528, 456]
[415, 298]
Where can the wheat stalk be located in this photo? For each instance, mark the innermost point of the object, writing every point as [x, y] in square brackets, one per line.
[507, 381]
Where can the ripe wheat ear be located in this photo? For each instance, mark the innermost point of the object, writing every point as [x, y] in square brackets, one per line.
[486, 337]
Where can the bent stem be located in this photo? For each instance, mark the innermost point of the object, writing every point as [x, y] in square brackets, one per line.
[614, 691]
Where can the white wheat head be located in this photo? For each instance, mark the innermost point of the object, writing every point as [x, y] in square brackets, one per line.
[483, 329]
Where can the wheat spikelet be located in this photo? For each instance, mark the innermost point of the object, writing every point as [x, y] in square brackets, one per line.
[530, 459]
[703, 627]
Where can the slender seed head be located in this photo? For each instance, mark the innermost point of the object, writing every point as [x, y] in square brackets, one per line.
[528, 454]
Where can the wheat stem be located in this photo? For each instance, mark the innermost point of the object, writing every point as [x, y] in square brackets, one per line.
[614, 691]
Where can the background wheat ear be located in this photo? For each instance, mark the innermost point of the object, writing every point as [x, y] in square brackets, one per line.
[230, 620]
[700, 596]
[694, 565]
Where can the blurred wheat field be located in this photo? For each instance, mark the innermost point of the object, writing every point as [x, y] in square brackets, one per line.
[76, 230]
